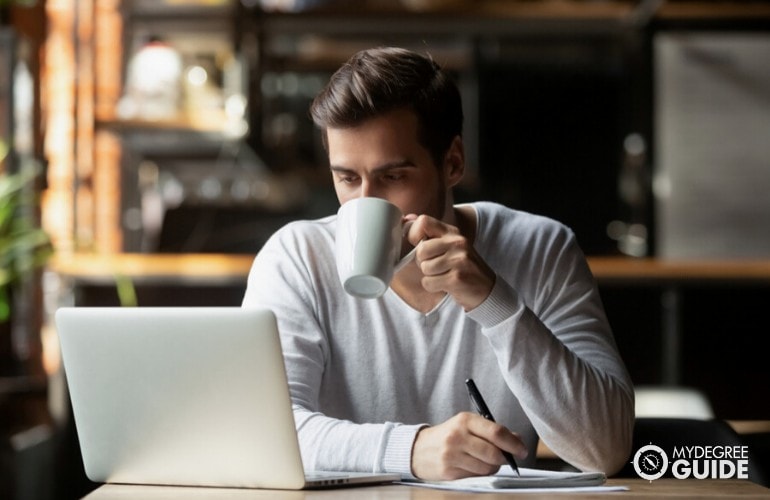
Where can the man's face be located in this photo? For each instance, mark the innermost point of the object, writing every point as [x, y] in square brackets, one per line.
[382, 158]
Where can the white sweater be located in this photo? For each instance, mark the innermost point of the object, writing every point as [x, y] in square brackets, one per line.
[365, 374]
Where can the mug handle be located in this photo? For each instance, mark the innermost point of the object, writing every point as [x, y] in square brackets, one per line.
[409, 257]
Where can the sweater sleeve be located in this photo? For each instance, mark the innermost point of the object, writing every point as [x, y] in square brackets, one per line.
[281, 280]
[558, 357]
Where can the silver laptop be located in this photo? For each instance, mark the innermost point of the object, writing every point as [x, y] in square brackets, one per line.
[185, 396]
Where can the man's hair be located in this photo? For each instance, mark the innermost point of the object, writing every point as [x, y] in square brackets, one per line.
[376, 81]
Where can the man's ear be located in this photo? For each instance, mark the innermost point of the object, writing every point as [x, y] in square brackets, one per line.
[454, 162]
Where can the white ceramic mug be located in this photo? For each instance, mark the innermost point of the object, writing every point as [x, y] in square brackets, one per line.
[368, 245]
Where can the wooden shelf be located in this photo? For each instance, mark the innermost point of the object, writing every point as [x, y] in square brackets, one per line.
[178, 9]
[715, 10]
[228, 268]
[181, 124]
[488, 9]
[624, 270]
[500, 17]
[216, 269]
[490, 18]
[233, 270]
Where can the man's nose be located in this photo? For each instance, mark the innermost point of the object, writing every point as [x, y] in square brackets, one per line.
[368, 189]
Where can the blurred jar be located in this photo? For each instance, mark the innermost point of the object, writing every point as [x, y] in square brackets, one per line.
[153, 83]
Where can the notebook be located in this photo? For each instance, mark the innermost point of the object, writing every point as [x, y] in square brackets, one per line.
[185, 396]
[528, 479]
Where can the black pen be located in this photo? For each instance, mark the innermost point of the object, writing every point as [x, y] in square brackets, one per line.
[483, 410]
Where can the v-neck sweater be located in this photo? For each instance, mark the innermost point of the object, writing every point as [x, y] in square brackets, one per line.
[365, 375]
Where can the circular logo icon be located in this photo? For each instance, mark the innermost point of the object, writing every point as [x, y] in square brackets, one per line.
[650, 462]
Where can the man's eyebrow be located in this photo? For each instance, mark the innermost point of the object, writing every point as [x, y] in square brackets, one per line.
[383, 167]
[341, 170]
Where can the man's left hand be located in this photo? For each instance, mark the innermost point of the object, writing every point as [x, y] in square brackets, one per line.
[449, 262]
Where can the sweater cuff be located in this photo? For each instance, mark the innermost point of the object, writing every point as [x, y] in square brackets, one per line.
[502, 303]
[398, 451]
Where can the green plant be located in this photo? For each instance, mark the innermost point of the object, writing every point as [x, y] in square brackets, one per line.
[24, 245]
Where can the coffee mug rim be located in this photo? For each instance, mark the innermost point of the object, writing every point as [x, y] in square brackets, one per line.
[369, 199]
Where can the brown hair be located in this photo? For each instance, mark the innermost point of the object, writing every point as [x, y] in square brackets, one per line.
[376, 81]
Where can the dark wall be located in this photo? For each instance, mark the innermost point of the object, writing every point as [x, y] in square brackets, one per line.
[551, 131]
[723, 330]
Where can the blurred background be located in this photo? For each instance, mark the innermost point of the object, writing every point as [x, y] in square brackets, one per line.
[148, 148]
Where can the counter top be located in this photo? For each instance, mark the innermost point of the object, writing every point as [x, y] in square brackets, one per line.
[234, 268]
[650, 270]
[178, 268]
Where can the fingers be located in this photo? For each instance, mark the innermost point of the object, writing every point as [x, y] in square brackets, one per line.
[440, 256]
[408, 221]
[498, 436]
[448, 261]
[424, 227]
[465, 445]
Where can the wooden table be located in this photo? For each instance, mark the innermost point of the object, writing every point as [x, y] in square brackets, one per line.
[638, 489]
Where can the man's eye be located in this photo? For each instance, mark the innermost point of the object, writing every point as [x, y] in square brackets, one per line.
[394, 177]
[348, 179]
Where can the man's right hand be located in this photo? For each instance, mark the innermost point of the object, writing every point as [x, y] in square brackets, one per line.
[465, 445]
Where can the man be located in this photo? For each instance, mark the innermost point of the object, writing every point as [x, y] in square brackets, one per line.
[500, 296]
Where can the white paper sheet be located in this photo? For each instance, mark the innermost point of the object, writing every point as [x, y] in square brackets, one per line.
[530, 480]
